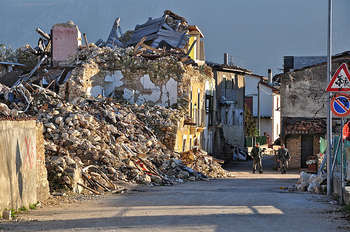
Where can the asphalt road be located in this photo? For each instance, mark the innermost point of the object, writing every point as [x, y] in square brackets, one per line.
[249, 202]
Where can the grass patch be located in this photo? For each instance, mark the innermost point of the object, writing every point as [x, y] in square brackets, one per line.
[32, 206]
[14, 213]
[23, 209]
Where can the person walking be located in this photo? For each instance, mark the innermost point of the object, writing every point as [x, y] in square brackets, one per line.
[283, 157]
[257, 158]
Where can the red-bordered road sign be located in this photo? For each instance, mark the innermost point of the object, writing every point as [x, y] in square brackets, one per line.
[340, 81]
[340, 105]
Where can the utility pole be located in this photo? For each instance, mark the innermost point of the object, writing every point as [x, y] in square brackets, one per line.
[259, 116]
[329, 114]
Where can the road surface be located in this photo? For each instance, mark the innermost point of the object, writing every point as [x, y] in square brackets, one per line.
[249, 202]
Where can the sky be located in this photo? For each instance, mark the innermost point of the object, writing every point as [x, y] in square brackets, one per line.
[256, 33]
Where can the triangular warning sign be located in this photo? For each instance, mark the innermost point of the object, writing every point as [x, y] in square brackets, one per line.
[340, 81]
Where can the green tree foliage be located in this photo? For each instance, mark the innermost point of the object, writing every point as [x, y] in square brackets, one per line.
[249, 123]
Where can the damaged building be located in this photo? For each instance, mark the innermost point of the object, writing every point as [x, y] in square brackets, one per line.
[229, 111]
[137, 80]
[135, 112]
[170, 77]
[303, 109]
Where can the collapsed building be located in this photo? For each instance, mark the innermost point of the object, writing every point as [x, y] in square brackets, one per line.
[120, 111]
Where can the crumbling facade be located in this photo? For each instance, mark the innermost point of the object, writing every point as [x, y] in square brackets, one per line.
[125, 110]
[166, 82]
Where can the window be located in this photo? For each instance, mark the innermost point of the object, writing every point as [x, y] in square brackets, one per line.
[209, 109]
[199, 108]
[233, 117]
[190, 143]
[233, 83]
[277, 103]
[191, 104]
[224, 83]
[183, 145]
[195, 114]
[226, 117]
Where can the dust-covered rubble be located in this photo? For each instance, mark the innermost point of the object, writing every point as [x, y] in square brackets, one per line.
[93, 144]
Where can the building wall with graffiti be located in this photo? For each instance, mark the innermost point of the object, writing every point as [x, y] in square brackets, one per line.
[21, 164]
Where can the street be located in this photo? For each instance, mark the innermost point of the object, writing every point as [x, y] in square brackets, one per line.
[249, 202]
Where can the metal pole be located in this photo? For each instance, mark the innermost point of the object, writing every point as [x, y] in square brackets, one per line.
[335, 155]
[342, 163]
[259, 116]
[329, 115]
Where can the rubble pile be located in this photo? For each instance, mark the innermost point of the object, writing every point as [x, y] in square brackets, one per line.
[95, 142]
[311, 183]
[200, 161]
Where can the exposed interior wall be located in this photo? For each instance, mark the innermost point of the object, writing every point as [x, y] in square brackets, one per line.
[22, 171]
[165, 82]
[66, 38]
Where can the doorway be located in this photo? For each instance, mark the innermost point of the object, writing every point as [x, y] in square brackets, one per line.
[307, 149]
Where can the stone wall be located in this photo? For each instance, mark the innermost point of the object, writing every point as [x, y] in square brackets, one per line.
[23, 171]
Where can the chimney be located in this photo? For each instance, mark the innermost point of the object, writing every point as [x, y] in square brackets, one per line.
[269, 74]
[225, 58]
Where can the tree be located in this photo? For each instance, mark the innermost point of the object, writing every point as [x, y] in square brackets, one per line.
[249, 123]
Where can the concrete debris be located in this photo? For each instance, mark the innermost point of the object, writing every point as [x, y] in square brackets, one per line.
[201, 162]
[311, 183]
[92, 143]
[98, 142]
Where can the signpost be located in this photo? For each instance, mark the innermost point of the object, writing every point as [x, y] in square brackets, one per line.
[340, 105]
[340, 81]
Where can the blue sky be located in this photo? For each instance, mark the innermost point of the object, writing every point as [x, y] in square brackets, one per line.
[257, 33]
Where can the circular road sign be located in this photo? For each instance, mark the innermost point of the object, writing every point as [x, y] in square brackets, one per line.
[340, 105]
